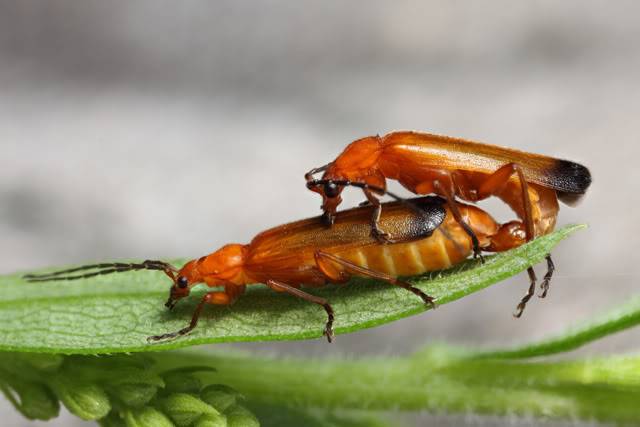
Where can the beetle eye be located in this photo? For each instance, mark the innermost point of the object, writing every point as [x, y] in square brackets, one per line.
[182, 282]
[331, 190]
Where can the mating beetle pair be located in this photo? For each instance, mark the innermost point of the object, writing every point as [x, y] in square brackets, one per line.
[384, 241]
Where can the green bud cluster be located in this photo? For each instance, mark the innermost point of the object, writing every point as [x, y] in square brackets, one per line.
[119, 391]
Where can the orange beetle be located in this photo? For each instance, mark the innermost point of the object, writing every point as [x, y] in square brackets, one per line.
[531, 184]
[307, 252]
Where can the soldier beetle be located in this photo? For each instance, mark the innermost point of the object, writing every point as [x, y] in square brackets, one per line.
[428, 237]
[531, 184]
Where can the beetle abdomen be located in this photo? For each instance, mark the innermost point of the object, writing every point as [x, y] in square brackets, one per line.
[436, 252]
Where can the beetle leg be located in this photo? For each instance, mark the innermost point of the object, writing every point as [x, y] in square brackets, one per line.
[327, 264]
[495, 183]
[292, 290]
[544, 286]
[528, 295]
[378, 233]
[451, 202]
[226, 297]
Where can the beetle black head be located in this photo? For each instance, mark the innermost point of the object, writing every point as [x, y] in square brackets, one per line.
[179, 290]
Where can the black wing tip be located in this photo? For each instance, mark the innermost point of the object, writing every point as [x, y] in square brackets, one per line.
[576, 177]
[433, 211]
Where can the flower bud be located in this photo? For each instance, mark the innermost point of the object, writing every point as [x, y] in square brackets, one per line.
[133, 386]
[211, 421]
[37, 401]
[239, 416]
[43, 362]
[178, 382]
[220, 396]
[146, 417]
[114, 419]
[87, 401]
[184, 409]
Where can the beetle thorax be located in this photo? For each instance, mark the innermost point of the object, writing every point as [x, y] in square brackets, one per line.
[359, 159]
[226, 265]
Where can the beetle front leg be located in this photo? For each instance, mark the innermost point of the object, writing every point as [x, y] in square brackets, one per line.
[226, 297]
[376, 231]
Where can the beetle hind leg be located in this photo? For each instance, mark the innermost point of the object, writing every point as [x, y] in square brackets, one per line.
[338, 269]
[293, 290]
[530, 292]
[447, 192]
[544, 286]
[495, 183]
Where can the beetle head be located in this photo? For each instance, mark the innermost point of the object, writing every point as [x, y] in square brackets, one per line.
[184, 280]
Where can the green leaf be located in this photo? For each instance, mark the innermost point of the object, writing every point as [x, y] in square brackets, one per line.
[283, 391]
[116, 313]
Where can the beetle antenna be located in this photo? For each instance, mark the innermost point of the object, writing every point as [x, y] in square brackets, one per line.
[100, 269]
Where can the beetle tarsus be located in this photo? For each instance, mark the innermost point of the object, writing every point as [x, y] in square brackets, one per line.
[328, 218]
[328, 332]
[477, 254]
[170, 304]
[170, 335]
[382, 237]
[328, 328]
[428, 300]
[162, 337]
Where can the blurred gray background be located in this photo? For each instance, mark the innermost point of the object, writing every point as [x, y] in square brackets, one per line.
[153, 129]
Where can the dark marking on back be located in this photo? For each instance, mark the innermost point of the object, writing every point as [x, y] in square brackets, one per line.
[429, 214]
[570, 177]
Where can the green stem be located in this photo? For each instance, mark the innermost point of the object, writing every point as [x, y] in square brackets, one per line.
[440, 379]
